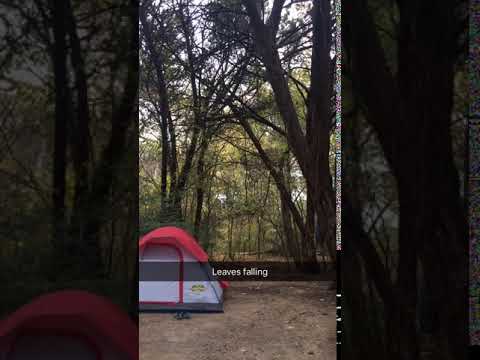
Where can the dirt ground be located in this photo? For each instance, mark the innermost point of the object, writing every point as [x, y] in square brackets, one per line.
[262, 321]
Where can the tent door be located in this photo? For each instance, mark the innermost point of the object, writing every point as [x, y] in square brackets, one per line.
[155, 286]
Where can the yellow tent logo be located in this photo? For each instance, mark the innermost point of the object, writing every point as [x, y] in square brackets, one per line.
[198, 288]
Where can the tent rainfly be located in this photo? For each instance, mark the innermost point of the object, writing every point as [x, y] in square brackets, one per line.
[74, 325]
[189, 285]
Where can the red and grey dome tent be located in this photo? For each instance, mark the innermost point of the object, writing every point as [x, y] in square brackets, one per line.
[175, 274]
[74, 325]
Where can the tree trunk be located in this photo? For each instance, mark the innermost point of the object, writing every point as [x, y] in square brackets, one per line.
[185, 22]
[200, 187]
[309, 250]
[124, 118]
[411, 115]
[361, 339]
[264, 41]
[80, 144]
[319, 117]
[165, 116]
[62, 100]
[290, 236]
[81, 129]
[311, 151]
[230, 240]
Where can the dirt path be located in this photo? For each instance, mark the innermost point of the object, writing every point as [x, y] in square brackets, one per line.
[262, 321]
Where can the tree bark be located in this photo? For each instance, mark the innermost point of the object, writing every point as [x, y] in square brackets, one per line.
[411, 114]
[200, 192]
[319, 116]
[165, 116]
[290, 236]
[62, 99]
[80, 145]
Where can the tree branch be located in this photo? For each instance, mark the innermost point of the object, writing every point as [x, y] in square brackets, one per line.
[274, 19]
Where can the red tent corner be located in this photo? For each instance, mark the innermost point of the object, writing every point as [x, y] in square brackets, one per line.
[172, 235]
[54, 312]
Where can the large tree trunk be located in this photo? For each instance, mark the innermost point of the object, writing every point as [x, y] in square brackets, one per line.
[411, 115]
[361, 338]
[438, 219]
[62, 100]
[80, 144]
[312, 150]
[319, 123]
[81, 129]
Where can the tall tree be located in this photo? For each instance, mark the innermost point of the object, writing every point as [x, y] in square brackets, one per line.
[311, 149]
[410, 109]
[59, 57]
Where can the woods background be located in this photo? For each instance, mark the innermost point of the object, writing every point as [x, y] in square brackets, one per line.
[237, 117]
[68, 147]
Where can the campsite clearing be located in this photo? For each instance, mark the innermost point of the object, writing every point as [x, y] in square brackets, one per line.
[262, 321]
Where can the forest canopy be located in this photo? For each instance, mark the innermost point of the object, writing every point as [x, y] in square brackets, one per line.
[237, 125]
